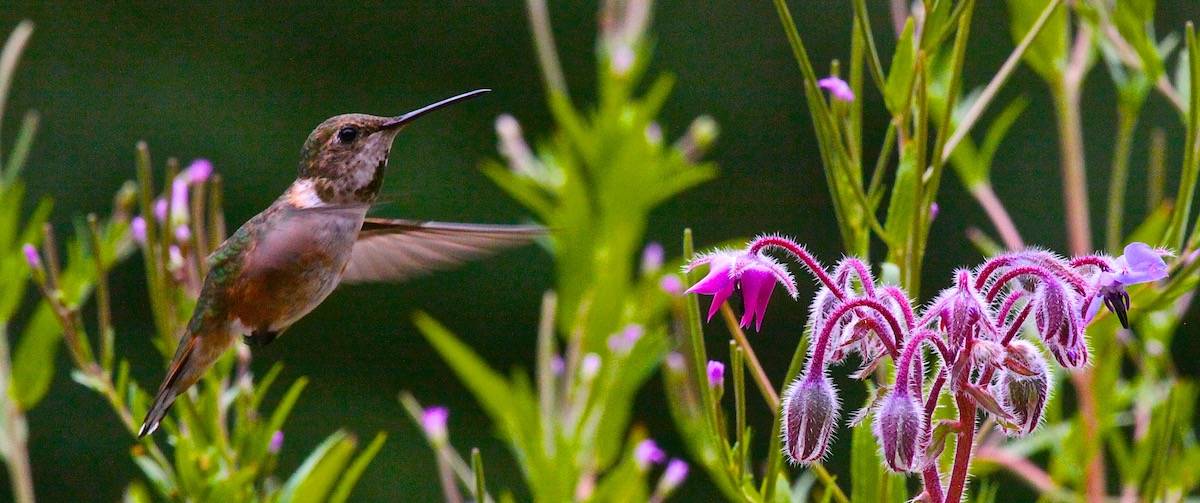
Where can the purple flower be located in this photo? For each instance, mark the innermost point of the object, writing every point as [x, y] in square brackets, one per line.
[652, 258]
[810, 411]
[754, 274]
[183, 233]
[433, 421]
[137, 227]
[276, 443]
[1139, 264]
[673, 476]
[671, 284]
[557, 365]
[198, 171]
[716, 373]
[31, 256]
[838, 88]
[899, 428]
[648, 453]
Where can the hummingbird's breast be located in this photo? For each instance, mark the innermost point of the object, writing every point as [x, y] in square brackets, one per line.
[293, 263]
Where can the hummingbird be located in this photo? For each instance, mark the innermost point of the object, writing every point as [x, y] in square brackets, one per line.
[283, 262]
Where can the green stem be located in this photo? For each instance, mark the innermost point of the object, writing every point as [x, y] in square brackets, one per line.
[696, 331]
[20, 475]
[1127, 118]
[1074, 177]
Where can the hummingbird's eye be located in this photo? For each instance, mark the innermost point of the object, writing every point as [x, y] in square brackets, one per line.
[347, 134]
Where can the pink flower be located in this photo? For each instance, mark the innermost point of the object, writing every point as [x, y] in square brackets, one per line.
[31, 256]
[623, 341]
[198, 171]
[648, 453]
[671, 284]
[673, 476]
[137, 227]
[754, 274]
[837, 88]
[433, 421]
[276, 443]
[716, 374]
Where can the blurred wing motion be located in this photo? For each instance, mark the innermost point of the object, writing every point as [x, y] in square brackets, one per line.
[397, 250]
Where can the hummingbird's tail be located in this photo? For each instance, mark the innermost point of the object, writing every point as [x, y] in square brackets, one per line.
[195, 354]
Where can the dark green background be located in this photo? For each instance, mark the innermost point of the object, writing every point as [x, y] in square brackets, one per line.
[243, 86]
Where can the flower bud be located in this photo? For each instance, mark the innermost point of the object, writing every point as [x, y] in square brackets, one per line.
[716, 374]
[276, 443]
[433, 421]
[899, 428]
[648, 453]
[810, 410]
[1023, 396]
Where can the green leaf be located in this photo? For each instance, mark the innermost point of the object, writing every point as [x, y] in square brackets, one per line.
[900, 73]
[904, 193]
[352, 474]
[870, 481]
[489, 387]
[316, 477]
[1048, 54]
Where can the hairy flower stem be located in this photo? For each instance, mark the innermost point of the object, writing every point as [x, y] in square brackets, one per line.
[802, 256]
[963, 447]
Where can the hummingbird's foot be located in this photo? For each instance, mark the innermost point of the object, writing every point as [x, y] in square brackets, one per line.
[260, 337]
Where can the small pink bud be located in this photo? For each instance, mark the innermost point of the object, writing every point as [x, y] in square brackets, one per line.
[590, 366]
[837, 88]
[183, 234]
[137, 227]
[31, 256]
[652, 258]
[810, 411]
[899, 428]
[179, 199]
[934, 209]
[160, 209]
[648, 453]
[198, 171]
[622, 342]
[557, 365]
[675, 362]
[433, 421]
[673, 476]
[671, 284]
[276, 443]
[716, 374]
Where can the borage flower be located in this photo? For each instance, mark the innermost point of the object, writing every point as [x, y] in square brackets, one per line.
[1139, 264]
[754, 274]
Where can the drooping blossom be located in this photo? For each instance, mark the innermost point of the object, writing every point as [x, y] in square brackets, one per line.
[1023, 388]
[810, 411]
[754, 274]
[899, 428]
[837, 88]
[1139, 264]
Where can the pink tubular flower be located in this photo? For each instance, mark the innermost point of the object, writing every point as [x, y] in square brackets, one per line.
[648, 453]
[671, 284]
[198, 171]
[716, 373]
[837, 88]
[1139, 264]
[137, 227]
[31, 256]
[673, 476]
[276, 443]
[754, 274]
[433, 421]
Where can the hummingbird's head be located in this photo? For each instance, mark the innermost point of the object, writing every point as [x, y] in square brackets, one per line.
[344, 158]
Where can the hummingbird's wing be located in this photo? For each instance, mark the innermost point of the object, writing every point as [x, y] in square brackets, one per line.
[397, 250]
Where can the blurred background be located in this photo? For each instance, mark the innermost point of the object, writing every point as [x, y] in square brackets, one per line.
[243, 86]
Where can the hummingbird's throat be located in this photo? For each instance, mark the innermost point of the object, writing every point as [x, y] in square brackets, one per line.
[318, 191]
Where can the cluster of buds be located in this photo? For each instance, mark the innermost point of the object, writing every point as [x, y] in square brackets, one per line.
[974, 330]
[175, 215]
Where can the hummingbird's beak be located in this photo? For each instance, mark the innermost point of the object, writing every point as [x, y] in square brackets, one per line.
[401, 120]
